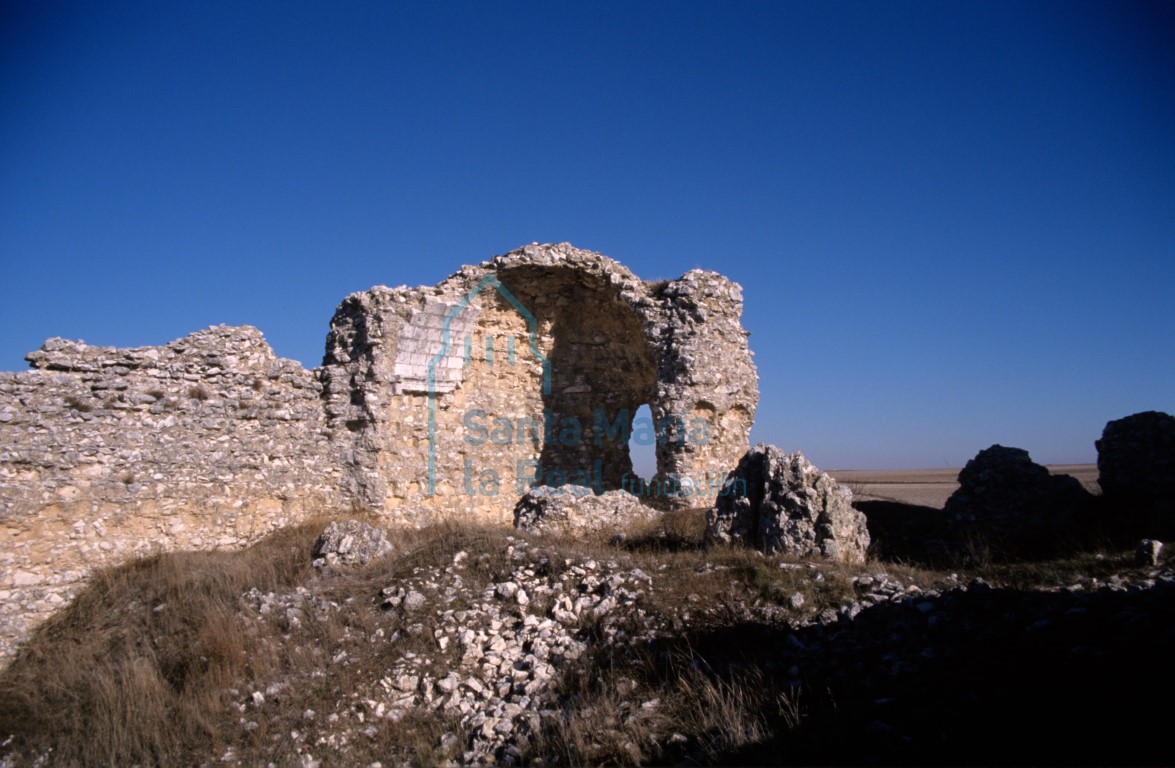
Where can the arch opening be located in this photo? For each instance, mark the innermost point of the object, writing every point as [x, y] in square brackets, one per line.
[603, 369]
[642, 444]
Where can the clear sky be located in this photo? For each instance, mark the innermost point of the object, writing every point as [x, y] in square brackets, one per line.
[954, 222]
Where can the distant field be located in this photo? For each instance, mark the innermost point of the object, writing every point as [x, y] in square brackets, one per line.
[930, 487]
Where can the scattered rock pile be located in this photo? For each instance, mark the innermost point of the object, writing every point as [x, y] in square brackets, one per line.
[496, 655]
[908, 667]
[575, 508]
[779, 502]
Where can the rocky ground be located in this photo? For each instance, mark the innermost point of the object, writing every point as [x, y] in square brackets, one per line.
[470, 646]
[498, 650]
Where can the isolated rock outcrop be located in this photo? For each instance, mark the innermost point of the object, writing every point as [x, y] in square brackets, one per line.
[1013, 506]
[1136, 470]
[1136, 455]
[350, 542]
[577, 508]
[779, 502]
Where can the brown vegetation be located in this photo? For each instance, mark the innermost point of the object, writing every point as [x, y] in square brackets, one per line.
[155, 663]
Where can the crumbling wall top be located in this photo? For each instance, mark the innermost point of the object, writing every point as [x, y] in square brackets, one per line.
[221, 347]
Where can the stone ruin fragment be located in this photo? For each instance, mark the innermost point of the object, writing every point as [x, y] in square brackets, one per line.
[349, 542]
[1136, 471]
[780, 503]
[1010, 506]
[575, 510]
[431, 402]
[528, 370]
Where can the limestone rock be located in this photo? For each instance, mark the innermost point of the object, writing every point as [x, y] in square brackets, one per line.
[779, 502]
[548, 335]
[351, 542]
[577, 508]
[1010, 504]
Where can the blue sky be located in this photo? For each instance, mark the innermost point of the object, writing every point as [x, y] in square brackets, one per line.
[954, 222]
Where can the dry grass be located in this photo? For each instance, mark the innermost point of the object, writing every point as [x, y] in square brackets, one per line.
[135, 670]
[150, 665]
[641, 711]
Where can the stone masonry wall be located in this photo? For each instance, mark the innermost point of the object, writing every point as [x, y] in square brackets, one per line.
[550, 352]
[105, 454]
[431, 402]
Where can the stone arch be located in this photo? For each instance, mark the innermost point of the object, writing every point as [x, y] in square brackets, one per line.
[603, 367]
[613, 341]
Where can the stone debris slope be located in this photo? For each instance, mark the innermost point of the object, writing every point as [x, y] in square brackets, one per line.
[490, 660]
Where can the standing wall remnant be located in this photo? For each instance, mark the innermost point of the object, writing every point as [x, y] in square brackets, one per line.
[430, 403]
[107, 454]
[539, 361]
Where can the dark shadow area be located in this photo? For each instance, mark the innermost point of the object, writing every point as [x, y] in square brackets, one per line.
[975, 677]
[902, 532]
[922, 536]
[1123, 518]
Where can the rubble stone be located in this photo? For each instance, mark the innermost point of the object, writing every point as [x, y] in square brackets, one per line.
[779, 502]
[350, 542]
[577, 508]
[1014, 506]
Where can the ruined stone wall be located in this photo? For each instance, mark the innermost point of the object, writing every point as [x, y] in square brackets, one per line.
[550, 352]
[210, 441]
[432, 402]
[708, 375]
[377, 380]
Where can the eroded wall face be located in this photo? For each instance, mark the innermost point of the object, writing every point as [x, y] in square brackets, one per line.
[466, 451]
[544, 369]
[105, 454]
[431, 403]
[603, 368]
[607, 342]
